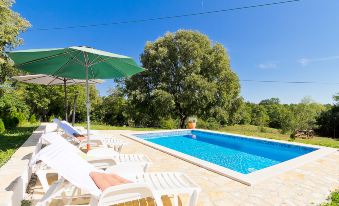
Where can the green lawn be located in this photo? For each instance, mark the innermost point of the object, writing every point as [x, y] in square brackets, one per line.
[271, 133]
[249, 130]
[12, 139]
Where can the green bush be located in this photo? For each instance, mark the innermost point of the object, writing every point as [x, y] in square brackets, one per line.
[21, 118]
[50, 119]
[212, 124]
[168, 123]
[2, 126]
[201, 124]
[32, 119]
[11, 122]
[262, 129]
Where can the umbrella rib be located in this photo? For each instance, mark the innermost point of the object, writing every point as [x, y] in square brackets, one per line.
[43, 58]
[65, 64]
[55, 77]
[123, 74]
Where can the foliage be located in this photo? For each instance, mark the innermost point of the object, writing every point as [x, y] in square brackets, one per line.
[112, 110]
[210, 123]
[2, 126]
[168, 123]
[33, 119]
[100, 126]
[333, 199]
[328, 120]
[12, 24]
[47, 101]
[192, 119]
[12, 139]
[259, 116]
[272, 133]
[186, 75]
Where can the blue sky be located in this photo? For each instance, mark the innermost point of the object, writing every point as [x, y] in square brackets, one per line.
[292, 42]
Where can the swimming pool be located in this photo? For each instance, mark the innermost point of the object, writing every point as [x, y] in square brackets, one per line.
[243, 158]
[234, 152]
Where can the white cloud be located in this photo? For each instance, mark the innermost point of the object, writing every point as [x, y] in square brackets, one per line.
[268, 65]
[307, 61]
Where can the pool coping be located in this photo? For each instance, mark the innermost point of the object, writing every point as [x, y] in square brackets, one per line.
[247, 179]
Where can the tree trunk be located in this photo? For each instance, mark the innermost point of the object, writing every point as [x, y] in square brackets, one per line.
[183, 121]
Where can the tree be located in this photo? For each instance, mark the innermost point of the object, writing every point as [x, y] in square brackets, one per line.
[328, 120]
[11, 25]
[259, 116]
[190, 73]
[112, 110]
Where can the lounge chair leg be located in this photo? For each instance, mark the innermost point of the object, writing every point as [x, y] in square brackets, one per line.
[175, 200]
[43, 179]
[193, 199]
[158, 200]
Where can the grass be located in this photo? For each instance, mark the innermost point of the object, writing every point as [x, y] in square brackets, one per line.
[249, 130]
[333, 199]
[12, 139]
[271, 133]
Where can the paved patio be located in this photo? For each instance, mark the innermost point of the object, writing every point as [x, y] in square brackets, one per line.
[309, 184]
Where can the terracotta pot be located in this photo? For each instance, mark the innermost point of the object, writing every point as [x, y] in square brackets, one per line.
[191, 125]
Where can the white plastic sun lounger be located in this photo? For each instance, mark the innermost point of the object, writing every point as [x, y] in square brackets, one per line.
[101, 158]
[96, 140]
[97, 153]
[76, 171]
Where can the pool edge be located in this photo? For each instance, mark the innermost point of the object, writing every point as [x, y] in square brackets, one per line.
[247, 179]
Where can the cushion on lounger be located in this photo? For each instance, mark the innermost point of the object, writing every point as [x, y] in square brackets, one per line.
[104, 181]
[79, 137]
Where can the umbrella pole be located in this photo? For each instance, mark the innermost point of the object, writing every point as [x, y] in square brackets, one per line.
[74, 107]
[65, 90]
[88, 108]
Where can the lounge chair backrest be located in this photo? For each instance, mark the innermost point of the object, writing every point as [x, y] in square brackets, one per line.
[68, 128]
[70, 166]
[56, 120]
[55, 138]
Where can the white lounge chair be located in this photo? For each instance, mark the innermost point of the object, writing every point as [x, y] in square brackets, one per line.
[95, 140]
[101, 158]
[76, 171]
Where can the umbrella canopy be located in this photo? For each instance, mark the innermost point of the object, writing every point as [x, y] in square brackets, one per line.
[77, 63]
[44, 79]
[72, 62]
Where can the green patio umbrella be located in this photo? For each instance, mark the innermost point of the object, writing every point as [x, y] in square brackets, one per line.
[77, 62]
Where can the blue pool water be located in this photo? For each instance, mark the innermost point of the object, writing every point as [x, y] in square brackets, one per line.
[244, 155]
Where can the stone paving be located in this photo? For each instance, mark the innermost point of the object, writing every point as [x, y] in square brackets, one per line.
[309, 184]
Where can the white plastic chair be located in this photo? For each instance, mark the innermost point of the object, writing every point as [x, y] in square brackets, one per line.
[101, 158]
[76, 171]
[95, 140]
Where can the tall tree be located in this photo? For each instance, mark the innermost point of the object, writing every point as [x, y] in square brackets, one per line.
[11, 25]
[190, 73]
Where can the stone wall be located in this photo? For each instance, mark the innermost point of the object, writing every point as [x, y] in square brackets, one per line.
[15, 174]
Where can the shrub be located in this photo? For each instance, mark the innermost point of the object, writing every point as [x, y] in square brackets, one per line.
[2, 126]
[201, 124]
[50, 119]
[262, 129]
[192, 119]
[168, 123]
[21, 118]
[11, 122]
[32, 119]
[212, 124]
